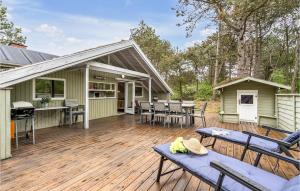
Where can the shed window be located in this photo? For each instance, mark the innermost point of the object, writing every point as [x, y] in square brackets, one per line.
[138, 91]
[49, 87]
[246, 99]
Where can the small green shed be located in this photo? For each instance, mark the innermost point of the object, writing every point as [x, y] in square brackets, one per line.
[249, 100]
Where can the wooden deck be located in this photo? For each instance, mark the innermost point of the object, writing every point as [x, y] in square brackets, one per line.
[114, 154]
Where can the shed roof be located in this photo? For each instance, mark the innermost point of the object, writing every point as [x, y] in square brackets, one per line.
[21, 56]
[125, 54]
[254, 80]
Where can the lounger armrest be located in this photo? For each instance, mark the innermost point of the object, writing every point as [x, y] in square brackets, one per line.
[227, 171]
[276, 129]
[280, 142]
[275, 155]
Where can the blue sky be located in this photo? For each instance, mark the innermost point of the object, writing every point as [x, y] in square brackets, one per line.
[65, 26]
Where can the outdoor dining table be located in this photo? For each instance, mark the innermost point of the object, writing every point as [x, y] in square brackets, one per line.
[187, 107]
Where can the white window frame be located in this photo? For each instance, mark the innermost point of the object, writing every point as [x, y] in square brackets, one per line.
[140, 86]
[47, 78]
[115, 91]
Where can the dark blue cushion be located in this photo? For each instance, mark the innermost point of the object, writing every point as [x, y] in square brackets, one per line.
[293, 184]
[292, 137]
[200, 166]
[239, 137]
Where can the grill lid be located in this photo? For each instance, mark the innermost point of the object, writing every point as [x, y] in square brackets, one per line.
[22, 104]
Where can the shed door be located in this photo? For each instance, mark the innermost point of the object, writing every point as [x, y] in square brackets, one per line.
[247, 105]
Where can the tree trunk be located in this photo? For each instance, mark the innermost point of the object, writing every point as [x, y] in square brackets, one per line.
[242, 70]
[258, 69]
[216, 75]
[296, 74]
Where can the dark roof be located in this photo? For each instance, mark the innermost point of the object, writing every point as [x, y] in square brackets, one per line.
[21, 56]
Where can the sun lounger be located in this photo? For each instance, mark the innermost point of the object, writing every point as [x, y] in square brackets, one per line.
[247, 138]
[227, 173]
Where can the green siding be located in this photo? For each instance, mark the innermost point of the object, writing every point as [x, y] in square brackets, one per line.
[288, 112]
[265, 102]
[5, 148]
[74, 90]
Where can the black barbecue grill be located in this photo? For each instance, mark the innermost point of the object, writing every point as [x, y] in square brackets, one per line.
[23, 111]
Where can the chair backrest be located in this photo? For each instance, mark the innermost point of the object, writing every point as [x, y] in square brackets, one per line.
[188, 102]
[162, 101]
[145, 105]
[293, 138]
[159, 106]
[137, 104]
[174, 101]
[175, 107]
[203, 107]
[71, 103]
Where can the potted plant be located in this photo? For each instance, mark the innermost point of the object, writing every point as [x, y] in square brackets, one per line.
[45, 101]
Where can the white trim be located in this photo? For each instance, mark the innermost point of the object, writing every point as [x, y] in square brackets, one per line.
[86, 96]
[130, 111]
[116, 70]
[96, 90]
[48, 78]
[255, 80]
[148, 62]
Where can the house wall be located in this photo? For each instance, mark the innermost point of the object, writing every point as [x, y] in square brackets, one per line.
[5, 149]
[266, 99]
[98, 108]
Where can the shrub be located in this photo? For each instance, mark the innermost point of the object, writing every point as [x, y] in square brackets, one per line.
[204, 92]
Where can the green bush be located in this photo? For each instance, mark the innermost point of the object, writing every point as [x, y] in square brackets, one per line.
[278, 77]
[205, 91]
[190, 92]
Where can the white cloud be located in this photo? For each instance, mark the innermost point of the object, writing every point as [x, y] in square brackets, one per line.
[73, 40]
[192, 43]
[49, 30]
[207, 32]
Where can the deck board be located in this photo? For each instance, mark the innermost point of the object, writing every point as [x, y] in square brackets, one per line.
[114, 154]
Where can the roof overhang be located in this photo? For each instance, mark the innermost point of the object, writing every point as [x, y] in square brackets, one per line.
[21, 74]
[254, 80]
[116, 70]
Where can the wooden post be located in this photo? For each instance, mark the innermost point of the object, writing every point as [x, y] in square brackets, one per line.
[150, 89]
[5, 142]
[86, 96]
[294, 112]
[276, 110]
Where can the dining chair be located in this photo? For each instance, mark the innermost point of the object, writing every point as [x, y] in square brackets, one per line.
[160, 111]
[145, 110]
[175, 111]
[75, 110]
[200, 114]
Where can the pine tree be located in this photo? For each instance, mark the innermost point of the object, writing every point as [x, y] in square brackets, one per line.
[8, 32]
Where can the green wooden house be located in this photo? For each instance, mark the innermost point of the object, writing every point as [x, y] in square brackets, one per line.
[249, 100]
[105, 79]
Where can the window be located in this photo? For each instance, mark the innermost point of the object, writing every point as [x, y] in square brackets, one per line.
[102, 90]
[138, 91]
[246, 99]
[49, 87]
